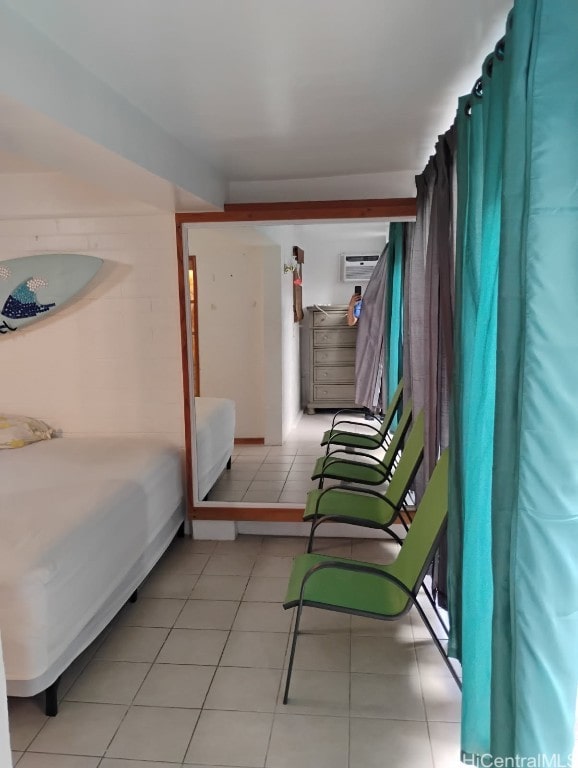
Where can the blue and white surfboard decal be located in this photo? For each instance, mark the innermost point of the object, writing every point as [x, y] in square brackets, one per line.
[33, 287]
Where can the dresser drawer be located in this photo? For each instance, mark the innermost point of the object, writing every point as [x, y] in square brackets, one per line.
[338, 373]
[334, 392]
[331, 356]
[342, 337]
[331, 319]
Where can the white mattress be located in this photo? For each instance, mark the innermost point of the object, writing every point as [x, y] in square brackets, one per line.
[215, 436]
[76, 517]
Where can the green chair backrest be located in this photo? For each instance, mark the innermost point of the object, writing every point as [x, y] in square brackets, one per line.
[398, 436]
[425, 531]
[392, 409]
[409, 462]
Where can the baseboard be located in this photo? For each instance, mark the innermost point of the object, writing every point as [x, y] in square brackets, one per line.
[249, 441]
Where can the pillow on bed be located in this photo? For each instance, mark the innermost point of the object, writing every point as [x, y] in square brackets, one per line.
[17, 431]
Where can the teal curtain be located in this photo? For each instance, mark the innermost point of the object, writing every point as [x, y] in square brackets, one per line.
[535, 492]
[480, 128]
[393, 368]
[513, 519]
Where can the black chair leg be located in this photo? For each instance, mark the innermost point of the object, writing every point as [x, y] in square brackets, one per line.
[51, 699]
[311, 535]
[435, 608]
[438, 645]
[292, 656]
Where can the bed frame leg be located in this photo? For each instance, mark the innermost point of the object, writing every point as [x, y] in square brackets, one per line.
[134, 597]
[51, 699]
[229, 462]
[181, 531]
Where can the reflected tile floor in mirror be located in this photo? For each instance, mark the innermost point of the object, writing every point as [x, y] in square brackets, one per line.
[277, 474]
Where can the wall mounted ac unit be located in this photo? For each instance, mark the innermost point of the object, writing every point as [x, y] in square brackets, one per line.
[357, 267]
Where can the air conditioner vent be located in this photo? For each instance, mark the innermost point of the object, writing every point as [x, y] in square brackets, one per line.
[357, 267]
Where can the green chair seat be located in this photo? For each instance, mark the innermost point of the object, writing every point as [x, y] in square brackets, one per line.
[349, 505]
[349, 471]
[374, 438]
[353, 440]
[346, 591]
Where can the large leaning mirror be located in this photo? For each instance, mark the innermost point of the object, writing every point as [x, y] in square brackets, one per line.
[266, 386]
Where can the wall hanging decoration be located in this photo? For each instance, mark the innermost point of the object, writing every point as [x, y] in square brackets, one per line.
[33, 287]
[299, 258]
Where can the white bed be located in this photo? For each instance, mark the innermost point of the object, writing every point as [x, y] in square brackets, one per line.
[82, 522]
[214, 439]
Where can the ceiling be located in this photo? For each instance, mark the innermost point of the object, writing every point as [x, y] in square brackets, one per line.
[346, 230]
[283, 89]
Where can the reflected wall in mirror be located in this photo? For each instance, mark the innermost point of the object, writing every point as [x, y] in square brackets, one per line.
[254, 444]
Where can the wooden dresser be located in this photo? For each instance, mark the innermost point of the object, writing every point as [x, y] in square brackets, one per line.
[327, 358]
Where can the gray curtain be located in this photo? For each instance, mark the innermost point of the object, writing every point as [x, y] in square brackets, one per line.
[439, 321]
[414, 360]
[439, 304]
[370, 340]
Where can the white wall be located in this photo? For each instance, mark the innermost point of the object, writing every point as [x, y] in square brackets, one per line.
[110, 362]
[322, 282]
[282, 350]
[231, 324]
[52, 195]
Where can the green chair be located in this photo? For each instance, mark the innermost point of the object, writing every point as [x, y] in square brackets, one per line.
[385, 592]
[361, 467]
[369, 440]
[366, 506]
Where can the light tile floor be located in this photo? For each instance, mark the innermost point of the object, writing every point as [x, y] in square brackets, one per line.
[192, 674]
[263, 473]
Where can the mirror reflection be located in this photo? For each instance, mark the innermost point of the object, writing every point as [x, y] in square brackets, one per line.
[266, 386]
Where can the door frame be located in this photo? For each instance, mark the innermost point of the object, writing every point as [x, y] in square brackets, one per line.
[393, 209]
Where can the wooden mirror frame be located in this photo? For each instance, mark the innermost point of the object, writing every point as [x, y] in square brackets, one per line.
[400, 209]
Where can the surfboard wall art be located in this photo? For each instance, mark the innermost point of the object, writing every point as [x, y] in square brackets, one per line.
[33, 287]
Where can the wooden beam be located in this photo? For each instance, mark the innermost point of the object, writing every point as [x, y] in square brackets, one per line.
[183, 298]
[374, 208]
[269, 514]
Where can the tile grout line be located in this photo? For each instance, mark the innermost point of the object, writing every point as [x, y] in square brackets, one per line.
[104, 755]
[350, 678]
[202, 709]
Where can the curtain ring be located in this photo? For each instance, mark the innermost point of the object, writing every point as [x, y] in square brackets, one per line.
[468, 108]
[478, 89]
[490, 66]
[500, 48]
